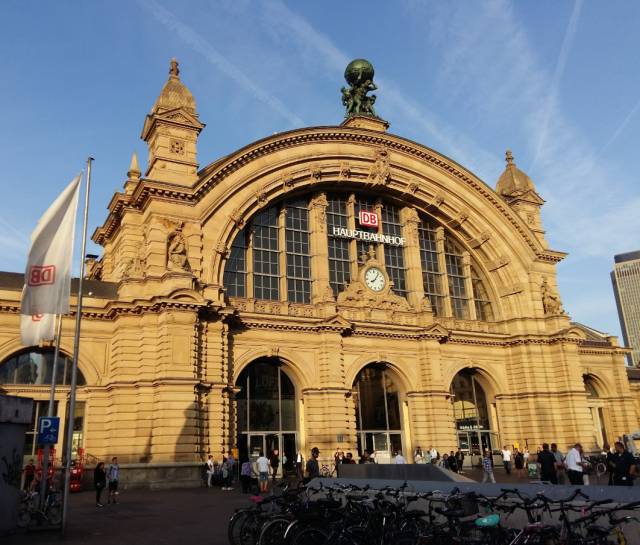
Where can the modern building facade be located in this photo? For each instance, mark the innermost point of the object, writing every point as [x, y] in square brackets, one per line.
[625, 278]
[334, 286]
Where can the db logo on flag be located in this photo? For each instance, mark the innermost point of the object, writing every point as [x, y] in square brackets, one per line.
[40, 276]
[368, 219]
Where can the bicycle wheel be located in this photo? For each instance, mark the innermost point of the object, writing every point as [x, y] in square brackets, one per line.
[24, 517]
[310, 535]
[273, 531]
[54, 515]
[236, 522]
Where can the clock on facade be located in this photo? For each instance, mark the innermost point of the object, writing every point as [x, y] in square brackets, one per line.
[374, 279]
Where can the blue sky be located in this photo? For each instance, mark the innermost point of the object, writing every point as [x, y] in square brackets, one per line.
[557, 82]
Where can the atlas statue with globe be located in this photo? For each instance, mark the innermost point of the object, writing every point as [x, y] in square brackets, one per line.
[359, 75]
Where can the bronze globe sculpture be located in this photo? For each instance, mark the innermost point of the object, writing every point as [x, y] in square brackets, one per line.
[359, 75]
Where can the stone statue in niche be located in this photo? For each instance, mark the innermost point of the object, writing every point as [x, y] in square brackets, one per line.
[177, 251]
[550, 302]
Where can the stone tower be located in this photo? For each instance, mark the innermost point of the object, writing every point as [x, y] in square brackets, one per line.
[171, 131]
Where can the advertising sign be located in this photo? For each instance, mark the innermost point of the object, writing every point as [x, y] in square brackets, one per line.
[368, 219]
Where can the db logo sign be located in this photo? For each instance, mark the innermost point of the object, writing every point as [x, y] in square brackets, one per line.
[40, 276]
[368, 219]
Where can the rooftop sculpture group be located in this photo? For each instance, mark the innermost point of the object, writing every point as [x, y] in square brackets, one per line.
[359, 75]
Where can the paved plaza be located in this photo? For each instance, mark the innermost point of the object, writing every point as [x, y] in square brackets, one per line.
[160, 517]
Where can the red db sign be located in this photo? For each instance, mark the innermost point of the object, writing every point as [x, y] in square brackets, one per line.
[40, 276]
[368, 219]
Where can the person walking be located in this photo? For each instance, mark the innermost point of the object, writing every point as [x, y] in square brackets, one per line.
[209, 470]
[560, 468]
[113, 476]
[452, 462]
[245, 476]
[418, 457]
[460, 460]
[624, 466]
[274, 462]
[300, 466]
[487, 467]
[313, 469]
[399, 459]
[99, 481]
[506, 459]
[263, 471]
[29, 474]
[610, 455]
[433, 452]
[348, 458]
[518, 463]
[231, 461]
[226, 474]
[547, 463]
[574, 465]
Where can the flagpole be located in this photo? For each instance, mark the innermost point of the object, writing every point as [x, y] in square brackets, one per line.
[76, 350]
[52, 400]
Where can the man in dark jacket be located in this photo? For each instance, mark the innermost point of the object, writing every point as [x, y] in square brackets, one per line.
[624, 466]
[547, 462]
[313, 469]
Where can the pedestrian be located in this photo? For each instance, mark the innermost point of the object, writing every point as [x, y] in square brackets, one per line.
[245, 476]
[434, 455]
[460, 460]
[210, 465]
[313, 469]
[574, 465]
[300, 466]
[29, 474]
[348, 458]
[452, 462]
[518, 463]
[506, 459]
[487, 467]
[624, 466]
[226, 475]
[399, 458]
[560, 468]
[263, 471]
[444, 462]
[113, 476]
[232, 467]
[274, 462]
[99, 481]
[547, 463]
[610, 455]
[364, 457]
[418, 456]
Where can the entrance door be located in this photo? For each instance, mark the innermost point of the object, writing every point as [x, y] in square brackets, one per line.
[268, 442]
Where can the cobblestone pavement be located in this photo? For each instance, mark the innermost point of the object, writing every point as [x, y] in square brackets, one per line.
[162, 517]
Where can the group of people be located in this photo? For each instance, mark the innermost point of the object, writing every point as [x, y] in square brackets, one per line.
[223, 472]
[102, 477]
[557, 468]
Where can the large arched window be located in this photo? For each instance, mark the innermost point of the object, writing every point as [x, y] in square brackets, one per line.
[266, 411]
[35, 366]
[596, 407]
[471, 413]
[271, 258]
[378, 420]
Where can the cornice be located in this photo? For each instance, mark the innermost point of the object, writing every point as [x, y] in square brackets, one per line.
[212, 175]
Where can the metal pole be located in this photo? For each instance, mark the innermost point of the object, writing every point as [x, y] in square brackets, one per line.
[76, 350]
[52, 400]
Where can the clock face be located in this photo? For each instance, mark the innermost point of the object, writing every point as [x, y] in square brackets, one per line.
[374, 279]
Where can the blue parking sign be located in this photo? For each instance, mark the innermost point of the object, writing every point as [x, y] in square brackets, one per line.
[48, 427]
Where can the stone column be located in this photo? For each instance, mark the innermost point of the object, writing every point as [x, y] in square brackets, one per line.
[468, 286]
[320, 290]
[442, 265]
[415, 287]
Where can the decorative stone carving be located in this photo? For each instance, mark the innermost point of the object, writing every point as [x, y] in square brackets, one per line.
[261, 195]
[345, 170]
[550, 301]
[320, 203]
[498, 263]
[237, 218]
[177, 250]
[359, 75]
[380, 172]
[480, 239]
[316, 174]
[287, 181]
[412, 187]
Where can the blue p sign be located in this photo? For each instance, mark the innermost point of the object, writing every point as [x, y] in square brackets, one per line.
[48, 427]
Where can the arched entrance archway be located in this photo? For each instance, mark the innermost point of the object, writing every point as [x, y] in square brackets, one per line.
[378, 416]
[596, 408]
[267, 418]
[471, 414]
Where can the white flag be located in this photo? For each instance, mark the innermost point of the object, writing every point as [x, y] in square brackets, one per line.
[47, 279]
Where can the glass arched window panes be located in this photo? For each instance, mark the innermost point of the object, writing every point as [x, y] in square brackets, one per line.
[235, 271]
[377, 412]
[298, 252]
[36, 367]
[590, 388]
[431, 274]
[480, 298]
[471, 414]
[338, 248]
[266, 401]
[456, 277]
[394, 255]
[266, 266]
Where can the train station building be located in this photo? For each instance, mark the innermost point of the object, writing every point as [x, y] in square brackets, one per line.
[333, 286]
